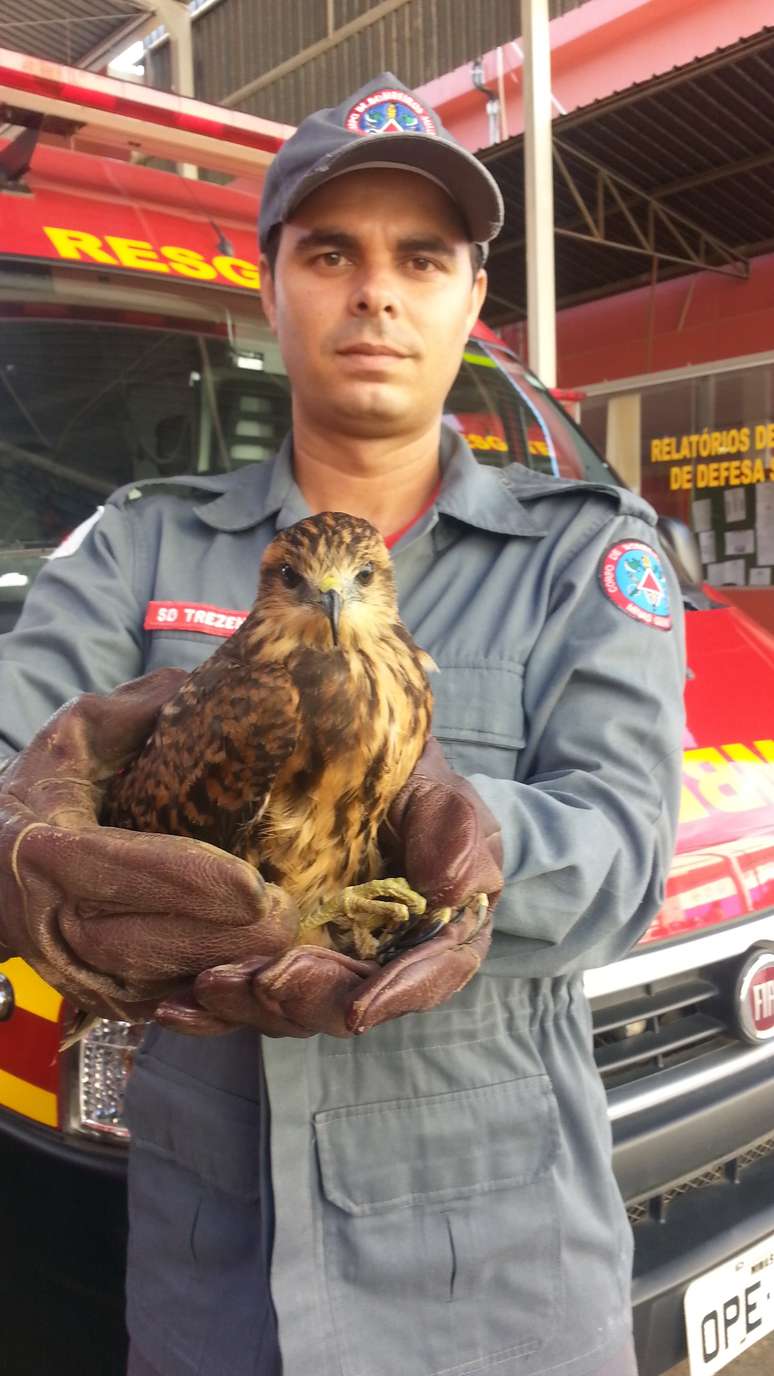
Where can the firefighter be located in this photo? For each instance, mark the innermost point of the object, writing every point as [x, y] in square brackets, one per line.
[435, 1196]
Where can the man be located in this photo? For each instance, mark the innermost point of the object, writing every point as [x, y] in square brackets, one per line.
[435, 1196]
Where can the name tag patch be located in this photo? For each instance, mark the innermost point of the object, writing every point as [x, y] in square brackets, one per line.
[192, 616]
[633, 577]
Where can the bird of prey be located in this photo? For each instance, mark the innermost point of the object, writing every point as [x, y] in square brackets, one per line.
[287, 746]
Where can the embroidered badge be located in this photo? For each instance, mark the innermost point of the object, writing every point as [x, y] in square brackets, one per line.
[192, 616]
[633, 577]
[389, 112]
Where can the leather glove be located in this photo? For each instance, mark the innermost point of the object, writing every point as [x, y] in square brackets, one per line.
[312, 989]
[441, 835]
[117, 920]
[443, 838]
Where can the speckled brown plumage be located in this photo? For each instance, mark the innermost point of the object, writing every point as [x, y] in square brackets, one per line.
[284, 747]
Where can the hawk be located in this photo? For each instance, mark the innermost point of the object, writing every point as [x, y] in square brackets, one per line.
[287, 746]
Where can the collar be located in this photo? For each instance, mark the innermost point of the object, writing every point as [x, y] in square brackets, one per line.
[259, 491]
[478, 495]
[472, 493]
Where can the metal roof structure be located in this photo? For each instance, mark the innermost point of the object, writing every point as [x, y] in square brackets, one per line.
[254, 39]
[71, 31]
[670, 175]
[282, 59]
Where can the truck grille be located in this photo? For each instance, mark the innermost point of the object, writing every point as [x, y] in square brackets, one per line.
[654, 1026]
[726, 1172]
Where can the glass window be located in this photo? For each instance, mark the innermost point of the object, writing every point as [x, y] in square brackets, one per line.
[94, 398]
[508, 416]
[708, 459]
[104, 383]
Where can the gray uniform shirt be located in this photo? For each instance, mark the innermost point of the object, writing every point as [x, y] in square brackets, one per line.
[443, 1192]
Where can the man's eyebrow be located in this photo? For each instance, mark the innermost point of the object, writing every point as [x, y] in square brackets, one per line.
[324, 237]
[426, 243]
[331, 237]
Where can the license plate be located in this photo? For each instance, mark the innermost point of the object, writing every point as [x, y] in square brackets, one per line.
[730, 1308]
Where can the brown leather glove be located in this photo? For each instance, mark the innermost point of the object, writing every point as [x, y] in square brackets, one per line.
[441, 835]
[312, 989]
[443, 838]
[117, 920]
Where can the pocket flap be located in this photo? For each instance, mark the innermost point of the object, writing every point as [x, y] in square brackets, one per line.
[443, 1147]
[481, 702]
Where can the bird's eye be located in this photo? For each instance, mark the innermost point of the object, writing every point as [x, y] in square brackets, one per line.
[290, 578]
[365, 575]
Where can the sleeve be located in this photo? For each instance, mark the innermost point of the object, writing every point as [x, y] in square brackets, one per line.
[589, 825]
[80, 630]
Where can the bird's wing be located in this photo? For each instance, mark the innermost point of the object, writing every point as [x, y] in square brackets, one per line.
[218, 746]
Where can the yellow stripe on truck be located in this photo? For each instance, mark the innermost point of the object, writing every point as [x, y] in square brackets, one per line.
[27, 1099]
[30, 991]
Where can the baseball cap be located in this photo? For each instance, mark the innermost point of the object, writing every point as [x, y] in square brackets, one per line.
[381, 125]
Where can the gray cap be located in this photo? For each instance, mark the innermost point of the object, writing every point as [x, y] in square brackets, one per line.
[381, 125]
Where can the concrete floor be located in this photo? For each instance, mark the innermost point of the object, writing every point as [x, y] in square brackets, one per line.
[758, 1361]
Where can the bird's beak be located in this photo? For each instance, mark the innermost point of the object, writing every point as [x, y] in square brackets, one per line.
[331, 599]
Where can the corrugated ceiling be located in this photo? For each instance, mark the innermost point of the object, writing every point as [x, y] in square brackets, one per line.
[65, 30]
[238, 40]
[699, 140]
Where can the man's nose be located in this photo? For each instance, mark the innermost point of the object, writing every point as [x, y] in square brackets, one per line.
[374, 294]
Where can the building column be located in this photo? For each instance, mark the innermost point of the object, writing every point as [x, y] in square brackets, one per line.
[539, 191]
[623, 441]
[177, 21]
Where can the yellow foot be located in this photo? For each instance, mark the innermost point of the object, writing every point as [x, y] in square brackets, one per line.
[364, 917]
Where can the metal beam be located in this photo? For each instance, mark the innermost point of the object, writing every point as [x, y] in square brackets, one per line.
[633, 201]
[314, 50]
[102, 54]
[539, 191]
[613, 193]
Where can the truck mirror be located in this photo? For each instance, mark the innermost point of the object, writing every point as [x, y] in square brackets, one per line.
[683, 549]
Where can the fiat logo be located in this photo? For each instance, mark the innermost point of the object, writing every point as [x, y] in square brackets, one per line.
[754, 996]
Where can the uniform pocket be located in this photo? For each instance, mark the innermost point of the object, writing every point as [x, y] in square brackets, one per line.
[441, 1227]
[478, 716]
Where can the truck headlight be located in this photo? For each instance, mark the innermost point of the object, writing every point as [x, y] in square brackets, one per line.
[104, 1060]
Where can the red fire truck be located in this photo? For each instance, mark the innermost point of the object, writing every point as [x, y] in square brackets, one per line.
[133, 346]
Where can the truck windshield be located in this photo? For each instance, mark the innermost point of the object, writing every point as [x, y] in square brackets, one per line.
[508, 416]
[103, 384]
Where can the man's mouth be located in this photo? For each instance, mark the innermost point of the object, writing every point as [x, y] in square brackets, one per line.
[369, 350]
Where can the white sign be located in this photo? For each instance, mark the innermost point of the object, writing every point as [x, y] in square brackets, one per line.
[735, 502]
[707, 546]
[701, 513]
[730, 1309]
[764, 523]
[740, 542]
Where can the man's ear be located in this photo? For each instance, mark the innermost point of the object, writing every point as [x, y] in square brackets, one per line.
[268, 296]
[477, 297]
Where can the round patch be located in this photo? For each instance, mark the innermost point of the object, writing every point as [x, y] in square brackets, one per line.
[633, 577]
[389, 112]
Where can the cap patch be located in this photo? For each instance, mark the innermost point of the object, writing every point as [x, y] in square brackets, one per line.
[389, 112]
[633, 577]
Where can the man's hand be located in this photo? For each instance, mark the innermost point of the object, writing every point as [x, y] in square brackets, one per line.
[312, 989]
[117, 920]
[442, 837]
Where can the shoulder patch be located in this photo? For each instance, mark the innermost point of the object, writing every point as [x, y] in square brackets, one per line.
[632, 576]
